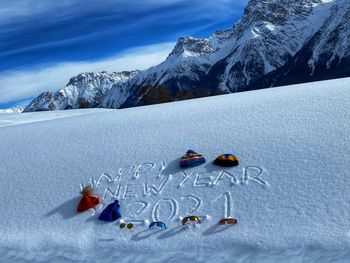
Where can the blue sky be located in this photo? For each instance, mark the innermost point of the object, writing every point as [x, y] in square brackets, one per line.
[43, 43]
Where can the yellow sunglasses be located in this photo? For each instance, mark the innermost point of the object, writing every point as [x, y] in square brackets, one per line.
[190, 218]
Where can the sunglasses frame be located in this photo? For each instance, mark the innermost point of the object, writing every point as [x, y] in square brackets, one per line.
[190, 218]
[159, 224]
[128, 226]
[228, 221]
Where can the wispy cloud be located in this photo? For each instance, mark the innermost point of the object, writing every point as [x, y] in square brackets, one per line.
[16, 10]
[74, 36]
[60, 26]
[21, 85]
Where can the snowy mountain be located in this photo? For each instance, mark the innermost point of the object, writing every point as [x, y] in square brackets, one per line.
[290, 192]
[276, 42]
[83, 91]
[17, 109]
[271, 45]
[325, 55]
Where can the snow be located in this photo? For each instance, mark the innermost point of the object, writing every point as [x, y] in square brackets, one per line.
[17, 109]
[269, 26]
[31, 117]
[339, 16]
[290, 192]
[255, 32]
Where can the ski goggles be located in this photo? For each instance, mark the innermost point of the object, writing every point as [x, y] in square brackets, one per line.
[128, 226]
[157, 224]
[194, 219]
[229, 221]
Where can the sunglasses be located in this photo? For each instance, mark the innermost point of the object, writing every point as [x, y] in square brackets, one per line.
[123, 225]
[190, 218]
[157, 224]
[229, 221]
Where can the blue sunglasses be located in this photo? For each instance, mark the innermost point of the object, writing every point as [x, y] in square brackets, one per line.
[157, 224]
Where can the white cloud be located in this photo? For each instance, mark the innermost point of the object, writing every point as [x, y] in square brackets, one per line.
[19, 10]
[22, 85]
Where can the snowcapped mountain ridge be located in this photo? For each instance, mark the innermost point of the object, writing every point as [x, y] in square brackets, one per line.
[82, 91]
[17, 109]
[276, 42]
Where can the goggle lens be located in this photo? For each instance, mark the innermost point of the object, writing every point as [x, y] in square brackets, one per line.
[158, 224]
[191, 218]
[123, 225]
[229, 221]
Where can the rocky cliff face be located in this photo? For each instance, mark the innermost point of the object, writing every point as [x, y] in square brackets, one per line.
[276, 42]
[325, 55]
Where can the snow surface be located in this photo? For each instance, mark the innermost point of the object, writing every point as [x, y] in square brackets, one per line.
[290, 192]
[8, 119]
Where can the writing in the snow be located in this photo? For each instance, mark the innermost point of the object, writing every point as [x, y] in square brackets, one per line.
[139, 184]
[183, 179]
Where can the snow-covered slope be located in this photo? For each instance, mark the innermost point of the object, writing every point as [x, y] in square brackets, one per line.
[290, 192]
[83, 91]
[30, 117]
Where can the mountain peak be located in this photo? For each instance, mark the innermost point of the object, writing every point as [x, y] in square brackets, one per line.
[190, 46]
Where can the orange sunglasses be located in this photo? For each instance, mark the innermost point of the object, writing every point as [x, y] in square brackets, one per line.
[229, 221]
